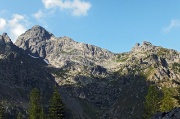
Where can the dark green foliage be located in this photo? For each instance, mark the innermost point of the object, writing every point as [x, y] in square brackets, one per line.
[152, 103]
[178, 95]
[35, 109]
[43, 115]
[56, 106]
[1, 111]
[168, 101]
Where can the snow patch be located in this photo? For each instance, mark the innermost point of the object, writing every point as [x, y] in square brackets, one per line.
[32, 56]
[45, 60]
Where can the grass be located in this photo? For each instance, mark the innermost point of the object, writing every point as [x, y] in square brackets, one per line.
[149, 72]
[163, 51]
[176, 67]
[64, 52]
[122, 60]
[60, 73]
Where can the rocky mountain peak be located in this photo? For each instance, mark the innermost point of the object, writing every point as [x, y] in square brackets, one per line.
[5, 38]
[5, 43]
[59, 50]
[37, 33]
[146, 46]
[146, 43]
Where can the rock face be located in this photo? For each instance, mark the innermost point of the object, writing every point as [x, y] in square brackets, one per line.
[19, 73]
[94, 83]
[40, 43]
[173, 114]
[5, 43]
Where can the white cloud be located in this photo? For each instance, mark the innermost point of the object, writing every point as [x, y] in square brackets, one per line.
[2, 23]
[17, 25]
[14, 26]
[76, 7]
[39, 14]
[174, 24]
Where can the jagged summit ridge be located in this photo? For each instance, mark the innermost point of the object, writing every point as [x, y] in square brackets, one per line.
[5, 43]
[39, 42]
[40, 32]
[146, 46]
[37, 32]
[5, 38]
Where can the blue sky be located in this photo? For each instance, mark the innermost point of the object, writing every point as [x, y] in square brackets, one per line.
[115, 25]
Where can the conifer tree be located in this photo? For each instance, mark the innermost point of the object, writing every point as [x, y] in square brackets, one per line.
[35, 104]
[56, 106]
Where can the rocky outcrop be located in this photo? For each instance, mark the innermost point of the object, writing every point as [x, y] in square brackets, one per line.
[19, 73]
[173, 114]
[94, 82]
[146, 46]
[40, 43]
[5, 43]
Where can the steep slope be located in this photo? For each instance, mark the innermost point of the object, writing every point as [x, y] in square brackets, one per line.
[19, 73]
[40, 43]
[157, 65]
[96, 83]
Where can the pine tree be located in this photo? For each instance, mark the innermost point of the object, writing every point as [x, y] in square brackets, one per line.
[56, 107]
[35, 104]
[152, 103]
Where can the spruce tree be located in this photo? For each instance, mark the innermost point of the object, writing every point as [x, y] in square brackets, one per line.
[152, 103]
[56, 106]
[35, 104]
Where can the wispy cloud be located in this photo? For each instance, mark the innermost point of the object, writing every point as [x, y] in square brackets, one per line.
[40, 14]
[175, 23]
[14, 26]
[3, 24]
[76, 7]
[17, 25]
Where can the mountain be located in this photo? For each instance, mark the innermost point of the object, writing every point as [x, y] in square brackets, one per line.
[19, 73]
[94, 83]
[40, 43]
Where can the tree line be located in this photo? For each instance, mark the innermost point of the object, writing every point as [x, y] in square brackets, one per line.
[56, 108]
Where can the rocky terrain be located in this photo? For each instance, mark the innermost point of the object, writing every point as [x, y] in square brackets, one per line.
[19, 73]
[59, 51]
[94, 83]
[173, 114]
